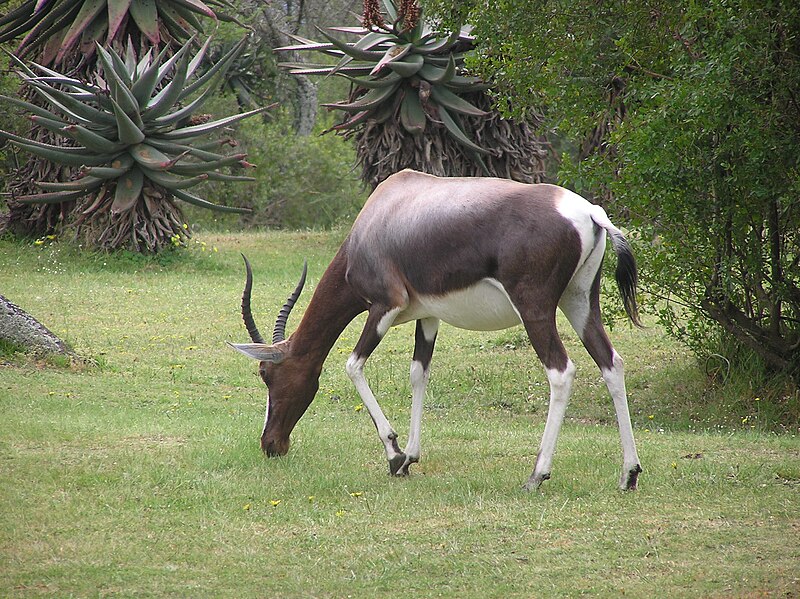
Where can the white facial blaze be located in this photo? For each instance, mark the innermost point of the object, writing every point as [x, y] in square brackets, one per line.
[266, 417]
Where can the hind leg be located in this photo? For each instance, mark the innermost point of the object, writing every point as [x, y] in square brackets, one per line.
[560, 374]
[582, 308]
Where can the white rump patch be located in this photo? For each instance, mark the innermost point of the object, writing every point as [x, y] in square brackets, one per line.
[484, 306]
[578, 211]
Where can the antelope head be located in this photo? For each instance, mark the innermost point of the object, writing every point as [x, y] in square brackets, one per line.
[291, 385]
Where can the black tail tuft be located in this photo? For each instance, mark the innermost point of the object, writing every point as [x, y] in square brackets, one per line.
[627, 276]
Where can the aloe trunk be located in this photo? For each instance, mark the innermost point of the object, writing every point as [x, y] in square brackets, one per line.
[515, 150]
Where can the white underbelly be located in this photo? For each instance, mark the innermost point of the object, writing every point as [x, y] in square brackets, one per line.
[483, 307]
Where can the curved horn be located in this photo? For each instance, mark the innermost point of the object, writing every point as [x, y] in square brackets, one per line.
[247, 315]
[279, 334]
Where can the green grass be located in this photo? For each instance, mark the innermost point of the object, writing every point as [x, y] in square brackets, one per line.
[139, 473]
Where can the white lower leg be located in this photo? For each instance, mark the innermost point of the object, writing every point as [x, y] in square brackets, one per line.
[615, 381]
[355, 370]
[560, 388]
[419, 382]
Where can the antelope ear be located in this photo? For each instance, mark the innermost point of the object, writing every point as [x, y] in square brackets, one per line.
[260, 351]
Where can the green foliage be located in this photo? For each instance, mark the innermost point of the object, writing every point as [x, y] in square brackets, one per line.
[700, 149]
[300, 181]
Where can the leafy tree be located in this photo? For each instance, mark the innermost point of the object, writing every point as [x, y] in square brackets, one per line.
[688, 119]
[111, 81]
[413, 104]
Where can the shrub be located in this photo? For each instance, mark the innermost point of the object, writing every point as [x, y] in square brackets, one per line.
[301, 181]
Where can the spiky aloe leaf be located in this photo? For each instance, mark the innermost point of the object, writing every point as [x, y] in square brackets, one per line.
[192, 199]
[84, 184]
[55, 29]
[130, 139]
[92, 141]
[147, 78]
[87, 14]
[407, 67]
[198, 7]
[351, 50]
[412, 115]
[129, 187]
[455, 130]
[207, 166]
[54, 125]
[452, 102]
[117, 11]
[105, 172]
[165, 100]
[173, 182]
[357, 119]
[128, 132]
[366, 83]
[150, 158]
[205, 128]
[395, 53]
[52, 197]
[58, 154]
[145, 15]
[372, 99]
[218, 69]
[119, 81]
[435, 75]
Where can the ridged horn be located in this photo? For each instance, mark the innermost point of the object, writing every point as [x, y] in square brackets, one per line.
[247, 315]
[279, 333]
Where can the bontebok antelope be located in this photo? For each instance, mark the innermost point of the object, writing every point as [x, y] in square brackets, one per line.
[477, 253]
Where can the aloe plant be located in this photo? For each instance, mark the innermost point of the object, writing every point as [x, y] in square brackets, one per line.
[65, 34]
[137, 143]
[412, 101]
[398, 72]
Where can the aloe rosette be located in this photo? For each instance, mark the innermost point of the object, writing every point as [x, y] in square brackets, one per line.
[134, 139]
[400, 69]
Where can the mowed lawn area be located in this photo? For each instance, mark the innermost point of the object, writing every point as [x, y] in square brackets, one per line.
[138, 473]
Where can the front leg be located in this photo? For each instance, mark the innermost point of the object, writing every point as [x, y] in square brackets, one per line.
[355, 370]
[379, 320]
[424, 340]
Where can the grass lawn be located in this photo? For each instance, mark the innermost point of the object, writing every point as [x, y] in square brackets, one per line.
[139, 474]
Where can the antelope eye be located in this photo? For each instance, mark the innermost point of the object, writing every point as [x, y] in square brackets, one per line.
[265, 376]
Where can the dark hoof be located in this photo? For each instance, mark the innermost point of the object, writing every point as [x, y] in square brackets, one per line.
[534, 482]
[396, 465]
[631, 479]
[404, 469]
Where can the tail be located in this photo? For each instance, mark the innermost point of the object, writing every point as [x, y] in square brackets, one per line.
[626, 274]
